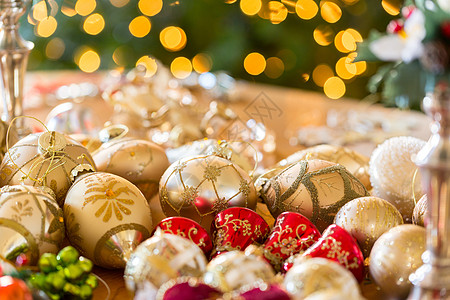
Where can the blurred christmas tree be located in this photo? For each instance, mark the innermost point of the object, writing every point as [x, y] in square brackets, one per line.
[305, 43]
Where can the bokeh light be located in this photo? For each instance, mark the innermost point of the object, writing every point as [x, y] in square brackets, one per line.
[392, 7]
[278, 12]
[334, 88]
[121, 56]
[150, 65]
[229, 1]
[85, 7]
[55, 48]
[94, 24]
[181, 67]
[202, 63]
[345, 68]
[274, 67]
[306, 9]
[321, 74]
[173, 38]
[39, 11]
[254, 63]
[89, 61]
[119, 3]
[361, 66]
[140, 26]
[150, 7]
[323, 35]
[250, 7]
[330, 11]
[46, 27]
[68, 11]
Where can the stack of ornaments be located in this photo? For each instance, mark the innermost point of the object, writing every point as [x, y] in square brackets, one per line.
[197, 221]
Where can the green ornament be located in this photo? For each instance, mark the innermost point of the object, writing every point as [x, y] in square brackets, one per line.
[92, 281]
[48, 262]
[58, 281]
[38, 280]
[67, 256]
[73, 272]
[85, 264]
[85, 291]
[72, 289]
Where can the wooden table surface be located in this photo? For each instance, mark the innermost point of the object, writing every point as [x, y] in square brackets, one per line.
[297, 109]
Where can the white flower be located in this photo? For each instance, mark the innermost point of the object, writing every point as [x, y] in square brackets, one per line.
[407, 45]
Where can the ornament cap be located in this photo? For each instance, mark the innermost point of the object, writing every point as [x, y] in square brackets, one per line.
[51, 142]
[112, 132]
[79, 170]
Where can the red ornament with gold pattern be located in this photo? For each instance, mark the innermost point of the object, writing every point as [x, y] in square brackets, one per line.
[338, 245]
[236, 228]
[293, 233]
[189, 229]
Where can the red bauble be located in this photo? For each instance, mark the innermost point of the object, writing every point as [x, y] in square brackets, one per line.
[13, 289]
[338, 245]
[189, 229]
[236, 228]
[189, 290]
[293, 233]
[271, 292]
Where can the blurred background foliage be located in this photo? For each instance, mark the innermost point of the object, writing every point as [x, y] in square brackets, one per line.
[292, 43]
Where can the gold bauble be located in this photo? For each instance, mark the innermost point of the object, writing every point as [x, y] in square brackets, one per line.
[356, 163]
[394, 175]
[396, 255]
[139, 161]
[315, 188]
[200, 187]
[44, 159]
[31, 222]
[420, 211]
[161, 258]
[366, 219]
[106, 217]
[320, 274]
[232, 270]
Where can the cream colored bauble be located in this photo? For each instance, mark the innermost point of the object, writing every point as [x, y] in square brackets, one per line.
[366, 219]
[161, 258]
[31, 222]
[314, 188]
[139, 161]
[396, 255]
[355, 163]
[394, 175]
[232, 270]
[319, 275]
[106, 218]
[44, 159]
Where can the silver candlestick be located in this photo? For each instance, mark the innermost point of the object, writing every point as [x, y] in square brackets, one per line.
[14, 53]
[432, 279]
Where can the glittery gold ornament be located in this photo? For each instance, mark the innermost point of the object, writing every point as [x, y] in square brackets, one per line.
[354, 162]
[106, 218]
[161, 258]
[420, 211]
[233, 270]
[31, 222]
[202, 186]
[44, 159]
[315, 188]
[139, 161]
[317, 275]
[394, 175]
[366, 219]
[394, 256]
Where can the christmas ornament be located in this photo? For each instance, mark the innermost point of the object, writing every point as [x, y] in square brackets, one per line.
[200, 187]
[394, 175]
[233, 270]
[139, 161]
[396, 255]
[106, 217]
[66, 275]
[320, 274]
[161, 258]
[31, 222]
[187, 288]
[420, 211]
[315, 188]
[366, 219]
[13, 137]
[155, 207]
[89, 142]
[354, 162]
[44, 159]
[332, 294]
[236, 228]
[13, 288]
[262, 291]
[189, 229]
[292, 234]
[338, 245]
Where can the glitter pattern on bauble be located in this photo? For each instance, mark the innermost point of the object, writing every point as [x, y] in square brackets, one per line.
[394, 175]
